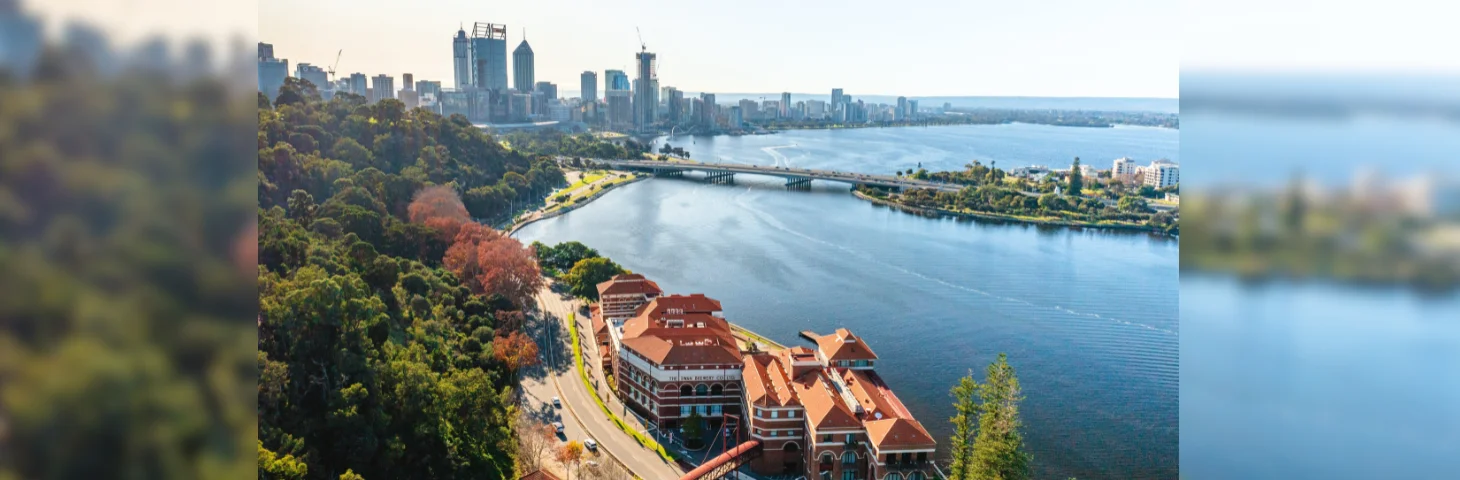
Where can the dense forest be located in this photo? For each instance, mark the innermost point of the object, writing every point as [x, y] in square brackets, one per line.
[390, 321]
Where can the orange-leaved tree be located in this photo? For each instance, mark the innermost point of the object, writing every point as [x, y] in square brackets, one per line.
[440, 208]
[515, 350]
[493, 264]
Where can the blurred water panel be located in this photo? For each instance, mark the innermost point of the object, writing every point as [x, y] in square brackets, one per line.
[1320, 316]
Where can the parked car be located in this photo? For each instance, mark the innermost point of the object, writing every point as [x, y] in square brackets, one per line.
[558, 427]
[592, 445]
[557, 403]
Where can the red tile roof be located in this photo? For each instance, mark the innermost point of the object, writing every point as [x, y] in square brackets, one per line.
[679, 330]
[628, 283]
[843, 345]
[766, 384]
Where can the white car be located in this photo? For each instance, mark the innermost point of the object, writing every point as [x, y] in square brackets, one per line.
[592, 445]
[557, 403]
[558, 427]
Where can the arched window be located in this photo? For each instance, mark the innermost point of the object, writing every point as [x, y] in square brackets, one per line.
[915, 476]
[685, 391]
[893, 476]
[702, 390]
[717, 390]
[791, 447]
[826, 459]
[849, 458]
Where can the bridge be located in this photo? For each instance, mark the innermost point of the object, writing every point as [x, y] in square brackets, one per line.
[722, 465]
[725, 172]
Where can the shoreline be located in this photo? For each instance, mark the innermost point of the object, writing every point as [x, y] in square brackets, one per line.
[580, 203]
[774, 131]
[938, 212]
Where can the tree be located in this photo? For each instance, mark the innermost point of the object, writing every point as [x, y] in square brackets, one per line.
[569, 455]
[534, 440]
[493, 264]
[694, 429]
[1132, 204]
[965, 427]
[1077, 183]
[998, 451]
[585, 276]
[440, 208]
[516, 351]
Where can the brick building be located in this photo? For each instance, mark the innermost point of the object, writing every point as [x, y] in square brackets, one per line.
[827, 414]
[677, 356]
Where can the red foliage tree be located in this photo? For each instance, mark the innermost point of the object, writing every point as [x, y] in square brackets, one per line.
[491, 263]
[440, 208]
[516, 351]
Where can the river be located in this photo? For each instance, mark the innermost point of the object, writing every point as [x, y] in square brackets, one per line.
[1088, 318]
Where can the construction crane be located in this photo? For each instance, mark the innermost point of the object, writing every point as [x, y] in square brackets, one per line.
[336, 65]
[642, 46]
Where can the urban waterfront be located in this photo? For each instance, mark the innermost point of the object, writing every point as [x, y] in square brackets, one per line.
[1089, 318]
[883, 150]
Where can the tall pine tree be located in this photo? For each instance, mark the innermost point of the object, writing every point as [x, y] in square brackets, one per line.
[998, 451]
[1077, 181]
[965, 426]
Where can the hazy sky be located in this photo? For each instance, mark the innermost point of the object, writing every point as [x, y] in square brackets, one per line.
[1032, 48]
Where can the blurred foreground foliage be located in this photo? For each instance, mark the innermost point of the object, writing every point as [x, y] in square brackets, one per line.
[374, 360]
[127, 301]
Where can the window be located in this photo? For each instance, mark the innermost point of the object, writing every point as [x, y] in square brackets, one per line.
[849, 438]
[826, 438]
[915, 476]
[715, 409]
[717, 390]
[791, 414]
[684, 410]
[702, 390]
[922, 457]
[893, 476]
[906, 458]
[849, 458]
[891, 459]
[773, 433]
[685, 391]
[849, 475]
[774, 414]
[702, 409]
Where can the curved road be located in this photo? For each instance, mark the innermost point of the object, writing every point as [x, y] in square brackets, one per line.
[580, 413]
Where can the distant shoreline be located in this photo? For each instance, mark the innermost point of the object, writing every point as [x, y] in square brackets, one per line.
[938, 212]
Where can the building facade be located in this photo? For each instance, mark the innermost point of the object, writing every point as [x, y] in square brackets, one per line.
[523, 76]
[677, 358]
[489, 56]
[825, 413]
[314, 75]
[707, 112]
[383, 87]
[1162, 174]
[272, 71]
[588, 86]
[359, 85]
[645, 104]
[461, 59]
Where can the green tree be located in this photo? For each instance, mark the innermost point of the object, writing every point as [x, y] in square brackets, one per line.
[965, 427]
[998, 451]
[694, 429]
[584, 277]
[1077, 182]
[1132, 204]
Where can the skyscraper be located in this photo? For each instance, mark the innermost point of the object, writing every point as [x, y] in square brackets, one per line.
[358, 85]
[912, 108]
[522, 66]
[489, 56]
[383, 86]
[675, 101]
[408, 82]
[836, 98]
[312, 74]
[461, 59]
[588, 87]
[785, 104]
[429, 87]
[901, 112]
[707, 114]
[272, 71]
[615, 80]
[549, 89]
[645, 104]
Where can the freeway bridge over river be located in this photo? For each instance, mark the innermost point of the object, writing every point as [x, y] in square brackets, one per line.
[793, 176]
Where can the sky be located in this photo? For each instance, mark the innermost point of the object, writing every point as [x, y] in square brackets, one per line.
[998, 48]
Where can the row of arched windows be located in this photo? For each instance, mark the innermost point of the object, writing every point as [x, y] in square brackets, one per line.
[701, 390]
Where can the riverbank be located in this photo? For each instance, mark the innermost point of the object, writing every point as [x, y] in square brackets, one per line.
[939, 212]
[574, 202]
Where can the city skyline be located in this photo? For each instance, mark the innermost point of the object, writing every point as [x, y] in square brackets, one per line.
[919, 61]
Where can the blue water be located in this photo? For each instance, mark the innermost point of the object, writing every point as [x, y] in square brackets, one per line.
[1088, 318]
[885, 150]
[1317, 381]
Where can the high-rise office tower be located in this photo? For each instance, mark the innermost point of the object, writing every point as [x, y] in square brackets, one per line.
[588, 87]
[408, 82]
[272, 71]
[785, 104]
[489, 56]
[429, 87]
[461, 59]
[549, 89]
[383, 86]
[645, 104]
[615, 80]
[836, 97]
[522, 66]
[314, 75]
[901, 112]
[358, 85]
[707, 115]
[912, 108]
[675, 101]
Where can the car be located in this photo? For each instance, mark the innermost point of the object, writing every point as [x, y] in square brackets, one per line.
[557, 403]
[592, 445]
[591, 464]
[558, 427]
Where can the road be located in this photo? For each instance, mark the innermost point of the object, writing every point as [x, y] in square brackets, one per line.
[559, 378]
